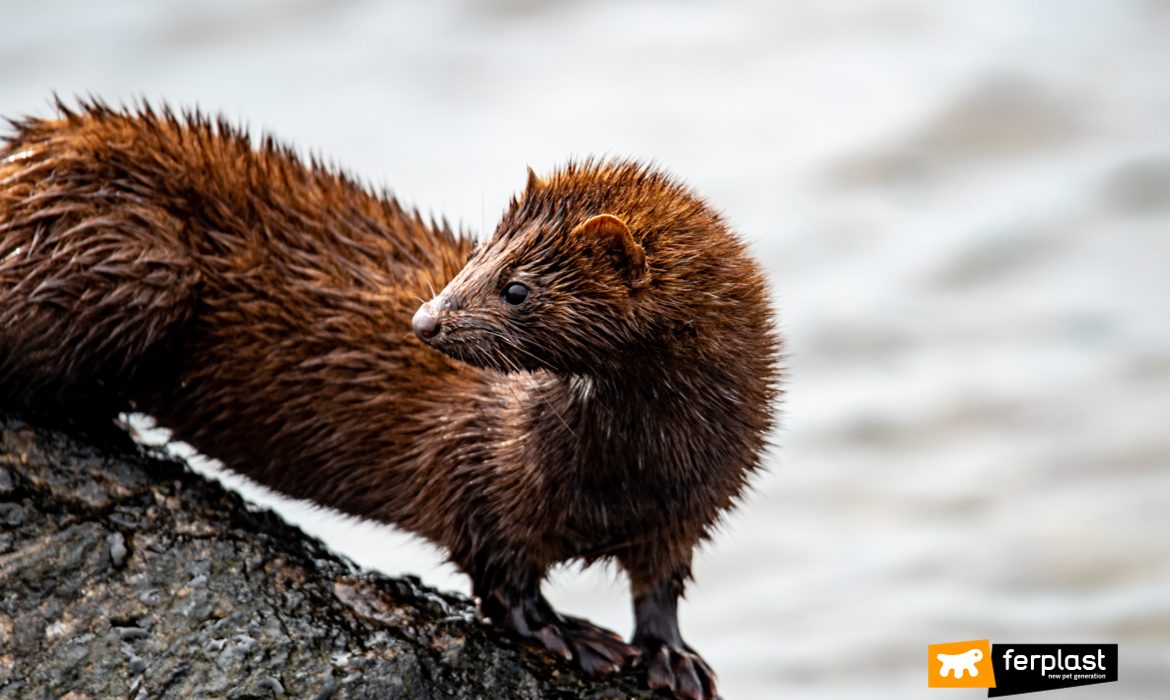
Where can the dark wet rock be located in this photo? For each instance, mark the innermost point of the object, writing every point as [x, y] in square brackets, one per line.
[125, 575]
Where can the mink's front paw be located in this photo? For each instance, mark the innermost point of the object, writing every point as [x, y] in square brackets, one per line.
[678, 669]
[596, 650]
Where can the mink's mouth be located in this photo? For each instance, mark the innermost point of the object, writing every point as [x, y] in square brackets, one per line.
[468, 337]
[468, 346]
[480, 345]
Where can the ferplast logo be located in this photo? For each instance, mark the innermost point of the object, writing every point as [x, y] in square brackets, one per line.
[1030, 668]
[961, 665]
[1012, 669]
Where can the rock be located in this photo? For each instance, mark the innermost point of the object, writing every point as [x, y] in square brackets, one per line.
[123, 574]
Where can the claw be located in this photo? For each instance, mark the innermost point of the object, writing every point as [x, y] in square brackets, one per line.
[686, 679]
[659, 674]
[595, 650]
[679, 670]
[552, 639]
[598, 651]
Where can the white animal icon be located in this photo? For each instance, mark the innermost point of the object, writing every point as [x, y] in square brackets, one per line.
[960, 663]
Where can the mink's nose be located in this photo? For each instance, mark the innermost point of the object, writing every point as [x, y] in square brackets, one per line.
[426, 326]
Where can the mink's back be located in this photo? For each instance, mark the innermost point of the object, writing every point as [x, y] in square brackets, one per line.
[238, 205]
[257, 304]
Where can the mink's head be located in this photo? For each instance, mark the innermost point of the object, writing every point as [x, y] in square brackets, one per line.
[592, 269]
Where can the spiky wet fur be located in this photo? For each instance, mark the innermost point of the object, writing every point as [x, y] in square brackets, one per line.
[652, 399]
[260, 307]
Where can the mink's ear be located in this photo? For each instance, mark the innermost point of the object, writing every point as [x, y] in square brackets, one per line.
[611, 237]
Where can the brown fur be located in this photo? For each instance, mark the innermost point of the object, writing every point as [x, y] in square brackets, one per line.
[260, 308]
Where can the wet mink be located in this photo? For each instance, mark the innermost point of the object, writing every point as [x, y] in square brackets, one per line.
[605, 378]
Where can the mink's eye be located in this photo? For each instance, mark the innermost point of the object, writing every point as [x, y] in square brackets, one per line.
[515, 294]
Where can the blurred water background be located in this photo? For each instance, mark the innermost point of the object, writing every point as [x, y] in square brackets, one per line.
[965, 212]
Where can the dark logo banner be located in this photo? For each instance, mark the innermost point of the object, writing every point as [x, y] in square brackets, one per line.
[1028, 668]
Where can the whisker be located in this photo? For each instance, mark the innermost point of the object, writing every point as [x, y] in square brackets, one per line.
[512, 345]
